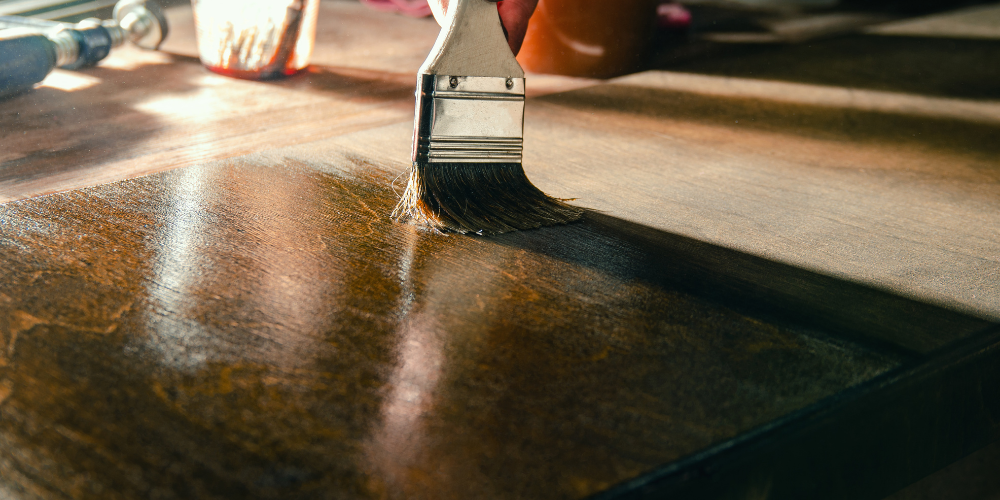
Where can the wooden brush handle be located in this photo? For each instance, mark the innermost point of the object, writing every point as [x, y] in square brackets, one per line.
[440, 9]
[472, 43]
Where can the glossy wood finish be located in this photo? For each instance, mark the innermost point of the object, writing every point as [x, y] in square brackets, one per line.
[254, 328]
[258, 328]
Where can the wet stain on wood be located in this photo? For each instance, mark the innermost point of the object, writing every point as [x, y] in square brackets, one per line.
[246, 329]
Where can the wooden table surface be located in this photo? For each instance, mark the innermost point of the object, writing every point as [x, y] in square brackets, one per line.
[780, 290]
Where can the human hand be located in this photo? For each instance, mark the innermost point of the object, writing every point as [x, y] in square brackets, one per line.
[514, 15]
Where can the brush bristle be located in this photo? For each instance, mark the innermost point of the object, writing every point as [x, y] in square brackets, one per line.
[481, 198]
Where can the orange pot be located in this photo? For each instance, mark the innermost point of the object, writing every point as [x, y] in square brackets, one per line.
[592, 38]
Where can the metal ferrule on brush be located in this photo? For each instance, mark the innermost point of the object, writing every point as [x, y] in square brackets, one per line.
[468, 119]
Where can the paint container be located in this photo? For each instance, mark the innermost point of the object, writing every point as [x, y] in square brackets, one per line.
[589, 38]
[255, 39]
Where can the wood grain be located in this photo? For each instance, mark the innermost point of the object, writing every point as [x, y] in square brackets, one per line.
[257, 328]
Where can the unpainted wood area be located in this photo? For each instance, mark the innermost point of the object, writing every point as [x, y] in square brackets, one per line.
[162, 112]
[852, 191]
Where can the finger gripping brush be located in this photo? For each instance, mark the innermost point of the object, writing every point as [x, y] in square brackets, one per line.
[468, 131]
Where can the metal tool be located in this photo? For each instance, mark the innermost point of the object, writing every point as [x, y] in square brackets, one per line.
[468, 134]
[30, 48]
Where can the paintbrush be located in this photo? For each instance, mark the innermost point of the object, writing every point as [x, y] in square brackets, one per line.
[468, 134]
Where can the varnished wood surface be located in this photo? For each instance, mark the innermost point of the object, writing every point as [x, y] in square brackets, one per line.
[255, 327]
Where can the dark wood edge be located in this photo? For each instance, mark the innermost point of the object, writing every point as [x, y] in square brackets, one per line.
[864, 443]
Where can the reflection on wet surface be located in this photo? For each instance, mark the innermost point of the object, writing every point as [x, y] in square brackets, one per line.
[251, 330]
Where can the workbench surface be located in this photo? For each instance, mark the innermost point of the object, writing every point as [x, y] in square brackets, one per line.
[781, 289]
